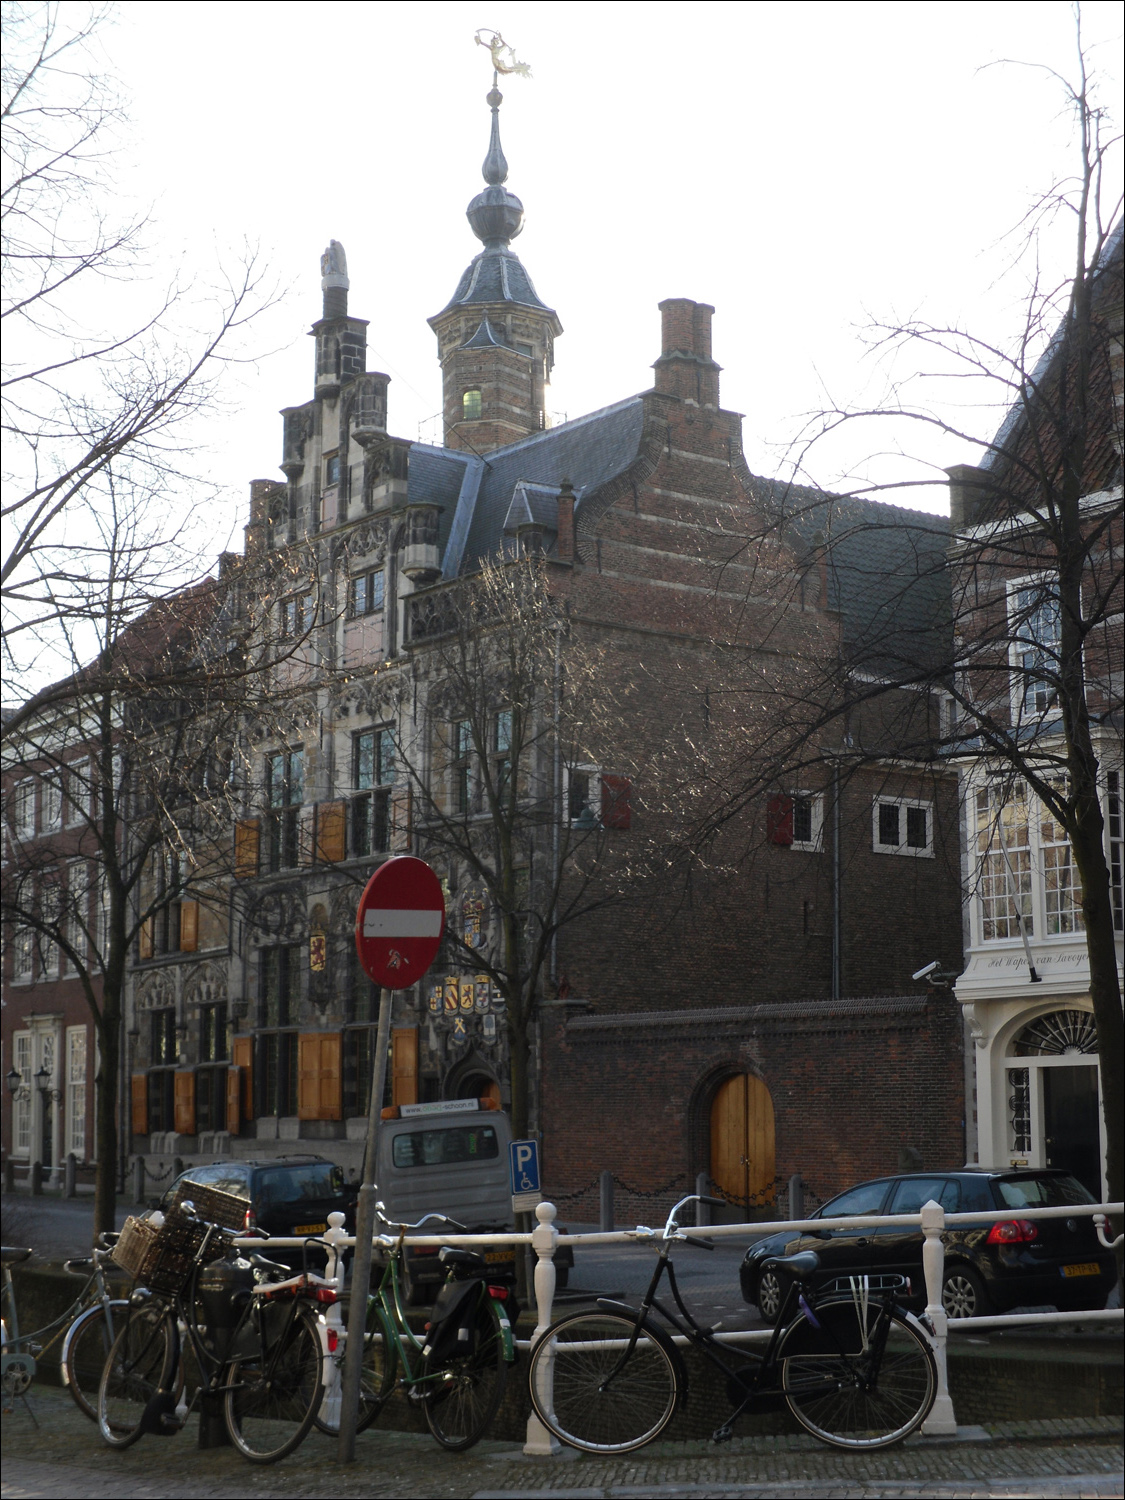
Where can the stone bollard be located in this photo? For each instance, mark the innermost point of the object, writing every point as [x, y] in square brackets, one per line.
[177, 1165]
[9, 1175]
[702, 1210]
[544, 1241]
[796, 1197]
[139, 1180]
[941, 1421]
[37, 1178]
[605, 1202]
[70, 1175]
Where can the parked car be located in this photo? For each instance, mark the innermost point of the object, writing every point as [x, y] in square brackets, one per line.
[993, 1267]
[285, 1195]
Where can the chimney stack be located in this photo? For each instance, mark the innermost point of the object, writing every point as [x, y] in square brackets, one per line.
[685, 368]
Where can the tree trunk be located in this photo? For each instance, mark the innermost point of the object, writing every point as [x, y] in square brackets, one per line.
[105, 1113]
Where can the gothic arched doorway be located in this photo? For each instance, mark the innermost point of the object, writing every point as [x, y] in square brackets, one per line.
[742, 1142]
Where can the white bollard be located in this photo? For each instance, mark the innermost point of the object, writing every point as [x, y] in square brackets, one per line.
[941, 1420]
[544, 1241]
[333, 1319]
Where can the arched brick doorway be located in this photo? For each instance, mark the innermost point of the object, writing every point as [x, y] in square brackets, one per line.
[742, 1142]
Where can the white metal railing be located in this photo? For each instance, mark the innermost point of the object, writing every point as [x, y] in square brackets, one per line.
[545, 1239]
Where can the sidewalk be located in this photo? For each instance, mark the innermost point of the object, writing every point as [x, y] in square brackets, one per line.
[65, 1457]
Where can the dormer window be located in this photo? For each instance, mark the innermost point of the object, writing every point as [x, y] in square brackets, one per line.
[332, 469]
[470, 406]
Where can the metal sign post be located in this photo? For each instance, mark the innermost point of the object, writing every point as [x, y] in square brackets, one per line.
[398, 930]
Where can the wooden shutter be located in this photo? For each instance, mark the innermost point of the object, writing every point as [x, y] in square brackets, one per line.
[247, 838]
[138, 1090]
[189, 926]
[404, 1065]
[617, 802]
[184, 1100]
[234, 1100]
[145, 941]
[331, 826]
[779, 820]
[242, 1050]
[320, 1076]
[401, 809]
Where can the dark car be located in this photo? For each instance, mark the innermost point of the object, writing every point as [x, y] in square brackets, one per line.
[285, 1195]
[990, 1267]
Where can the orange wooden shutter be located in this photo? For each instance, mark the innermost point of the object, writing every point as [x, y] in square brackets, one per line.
[138, 1087]
[308, 1091]
[242, 1051]
[189, 926]
[184, 1100]
[330, 832]
[247, 837]
[320, 1076]
[401, 809]
[234, 1100]
[332, 1076]
[404, 1065]
[146, 938]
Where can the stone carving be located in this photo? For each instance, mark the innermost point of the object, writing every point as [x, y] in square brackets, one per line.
[334, 267]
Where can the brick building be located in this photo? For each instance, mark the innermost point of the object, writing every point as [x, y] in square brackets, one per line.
[756, 1021]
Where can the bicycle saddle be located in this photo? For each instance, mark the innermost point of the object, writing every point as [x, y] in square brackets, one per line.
[803, 1264]
[10, 1256]
[78, 1266]
[453, 1255]
[260, 1263]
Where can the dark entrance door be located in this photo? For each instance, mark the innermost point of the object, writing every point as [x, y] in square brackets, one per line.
[1070, 1124]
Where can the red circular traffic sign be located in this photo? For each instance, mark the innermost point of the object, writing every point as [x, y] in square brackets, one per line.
[399, 923]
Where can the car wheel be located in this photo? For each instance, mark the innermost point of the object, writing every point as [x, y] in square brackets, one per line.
[963, 1294]
[772, 1286]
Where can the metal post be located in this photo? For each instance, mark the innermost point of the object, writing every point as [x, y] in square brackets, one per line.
[605, 1204]
[544, 1241]
[796, 1197]
[139, 1180]
[70, 1175]
[37, 1178]
[941, 1420]
[364, 1230]
[702, 1210]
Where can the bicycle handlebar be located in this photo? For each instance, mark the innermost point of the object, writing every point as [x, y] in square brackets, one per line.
[458, 1227]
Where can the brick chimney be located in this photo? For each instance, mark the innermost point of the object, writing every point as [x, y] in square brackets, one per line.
[685, 368]
[564, 544]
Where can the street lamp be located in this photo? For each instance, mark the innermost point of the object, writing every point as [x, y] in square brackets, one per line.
[43, 1084]
[16, 1086]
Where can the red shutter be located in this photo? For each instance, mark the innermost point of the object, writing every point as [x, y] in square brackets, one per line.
[617, 802]
[779, 820]
[138, 1088]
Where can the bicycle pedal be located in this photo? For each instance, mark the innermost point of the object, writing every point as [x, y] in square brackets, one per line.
[34, 1349]
[723, 1434]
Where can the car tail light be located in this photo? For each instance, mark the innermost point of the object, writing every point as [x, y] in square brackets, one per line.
[1012, 1232]
[250, 1222]
[499, 1292]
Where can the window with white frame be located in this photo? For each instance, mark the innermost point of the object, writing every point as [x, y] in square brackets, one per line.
[1062, 898]
[51, 911]
[23, 955]
[808, 821]
[583, 796]
[23, 810]
[76, 1090]
[52, 802]
[77, 909]
[79, 779]
[1003, 848]
[902, 825]
[1035, 635]
[21, 1104]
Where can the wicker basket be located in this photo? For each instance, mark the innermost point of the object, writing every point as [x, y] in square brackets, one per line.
[134, 1243]
[163, 1259]
[211, 1204]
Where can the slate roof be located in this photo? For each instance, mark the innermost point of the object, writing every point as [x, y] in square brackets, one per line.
[495, 275]
[887, 574]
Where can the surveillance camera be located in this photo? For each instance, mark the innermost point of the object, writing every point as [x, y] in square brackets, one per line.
[926, 970]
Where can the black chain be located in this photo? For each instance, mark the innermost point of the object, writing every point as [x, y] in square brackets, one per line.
[154, 1175]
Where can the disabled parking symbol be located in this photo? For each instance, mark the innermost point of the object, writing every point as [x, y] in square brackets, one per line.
[523, 1165]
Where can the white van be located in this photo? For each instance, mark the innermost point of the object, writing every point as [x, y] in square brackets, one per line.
[450, 1157]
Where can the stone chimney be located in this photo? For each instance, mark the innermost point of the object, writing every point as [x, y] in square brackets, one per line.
[685, 368]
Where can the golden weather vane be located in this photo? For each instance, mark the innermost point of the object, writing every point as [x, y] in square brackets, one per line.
[504, 59]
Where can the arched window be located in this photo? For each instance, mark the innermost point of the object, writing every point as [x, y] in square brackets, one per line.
[470, 406]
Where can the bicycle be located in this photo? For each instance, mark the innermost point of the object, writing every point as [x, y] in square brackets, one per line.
[91, 1321]
[457, 1370]
[856, 1370]
[258, 1351]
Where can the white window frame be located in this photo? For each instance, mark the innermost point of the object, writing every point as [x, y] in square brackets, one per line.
[23, 810]
[903, 849]
[594, 799]
[76, 804]
[52, 802]
[23, 955]
[815, 844]
[77, 1053]
[1023, 683]
[21, 1106]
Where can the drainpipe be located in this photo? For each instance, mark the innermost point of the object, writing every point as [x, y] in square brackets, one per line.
[837, 953]
[556, 821]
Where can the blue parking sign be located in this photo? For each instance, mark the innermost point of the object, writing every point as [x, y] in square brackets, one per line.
[523, 1165]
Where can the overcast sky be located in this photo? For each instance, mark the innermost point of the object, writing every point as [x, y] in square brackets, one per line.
[803, 167]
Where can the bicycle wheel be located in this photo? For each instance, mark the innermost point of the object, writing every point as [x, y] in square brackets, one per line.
[864, 1379]
[139, 1364]
[462, 1393]
[271, 1400]
[376, 1381]
[597, 1406]
[85, 1351]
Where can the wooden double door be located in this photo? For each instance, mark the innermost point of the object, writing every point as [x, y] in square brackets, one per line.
[742, 1142]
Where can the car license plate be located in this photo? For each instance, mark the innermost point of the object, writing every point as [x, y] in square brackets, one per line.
[495, 1256]
[310, 1228]
[1087, 1268]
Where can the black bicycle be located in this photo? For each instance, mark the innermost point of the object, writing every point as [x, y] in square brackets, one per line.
[854, 1367]
[257, 1346]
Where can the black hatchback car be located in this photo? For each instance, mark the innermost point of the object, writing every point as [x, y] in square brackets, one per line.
[1013, 1262]
[285, 1195]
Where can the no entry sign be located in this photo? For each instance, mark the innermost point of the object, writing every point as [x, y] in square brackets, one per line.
[399, 923]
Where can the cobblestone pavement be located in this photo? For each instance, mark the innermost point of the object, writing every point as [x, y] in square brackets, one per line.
[64, 1456]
